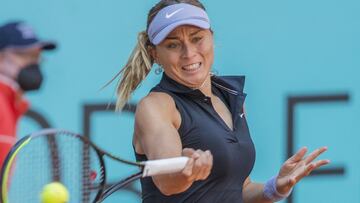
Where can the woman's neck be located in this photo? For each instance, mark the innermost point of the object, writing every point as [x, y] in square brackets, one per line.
[205, 87]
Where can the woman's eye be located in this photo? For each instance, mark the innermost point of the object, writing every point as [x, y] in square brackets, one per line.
[196, 39]
[172, 46]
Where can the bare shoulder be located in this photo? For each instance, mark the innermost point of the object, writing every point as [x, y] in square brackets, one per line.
[156, 124]
[156, 104]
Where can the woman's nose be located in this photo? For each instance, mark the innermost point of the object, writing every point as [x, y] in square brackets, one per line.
[189, 50]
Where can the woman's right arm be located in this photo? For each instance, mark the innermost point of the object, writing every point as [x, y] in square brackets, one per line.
[156, 136]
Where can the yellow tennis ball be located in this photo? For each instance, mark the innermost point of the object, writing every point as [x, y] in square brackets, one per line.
[54, 193]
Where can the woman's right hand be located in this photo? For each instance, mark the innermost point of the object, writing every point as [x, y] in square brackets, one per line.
[199, 165]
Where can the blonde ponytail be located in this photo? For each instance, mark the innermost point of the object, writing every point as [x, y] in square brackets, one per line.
[134, 72]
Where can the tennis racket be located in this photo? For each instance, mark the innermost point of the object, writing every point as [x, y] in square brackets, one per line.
[54, 155]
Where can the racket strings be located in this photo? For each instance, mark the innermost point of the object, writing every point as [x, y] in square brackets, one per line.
[87, 174]
[55, 160]
[50, 158]
[28, 172]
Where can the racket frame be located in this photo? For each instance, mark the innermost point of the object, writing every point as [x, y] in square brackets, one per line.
[103, 192]
[6, 167]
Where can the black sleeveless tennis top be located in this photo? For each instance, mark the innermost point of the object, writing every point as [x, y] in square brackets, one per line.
[202, 128]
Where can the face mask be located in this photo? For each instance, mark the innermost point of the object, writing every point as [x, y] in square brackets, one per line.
[30, 77]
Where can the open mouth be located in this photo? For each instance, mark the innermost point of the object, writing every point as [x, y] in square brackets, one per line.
[192, 67]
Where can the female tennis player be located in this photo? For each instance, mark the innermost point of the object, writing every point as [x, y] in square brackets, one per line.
[196, 114]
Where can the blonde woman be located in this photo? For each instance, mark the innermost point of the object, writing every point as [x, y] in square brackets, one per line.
[195, 114]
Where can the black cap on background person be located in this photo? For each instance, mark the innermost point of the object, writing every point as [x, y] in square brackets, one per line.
[19, 35]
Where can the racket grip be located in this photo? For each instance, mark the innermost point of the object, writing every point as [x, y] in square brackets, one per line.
[164, 166]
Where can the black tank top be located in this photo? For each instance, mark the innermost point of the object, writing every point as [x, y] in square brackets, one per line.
[202, 128]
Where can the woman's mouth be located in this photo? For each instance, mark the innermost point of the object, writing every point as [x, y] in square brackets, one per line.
[192, 67]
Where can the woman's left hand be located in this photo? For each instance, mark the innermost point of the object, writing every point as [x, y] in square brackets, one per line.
[297, 167]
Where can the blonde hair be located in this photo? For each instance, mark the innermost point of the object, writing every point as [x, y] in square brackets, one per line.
[140, 62]
[134, 72]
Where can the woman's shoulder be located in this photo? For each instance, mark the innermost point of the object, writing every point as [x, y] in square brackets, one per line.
[157, 98]
[156, 102]
[157, 106]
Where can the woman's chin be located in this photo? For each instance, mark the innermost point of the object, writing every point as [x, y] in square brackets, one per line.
[196, 83]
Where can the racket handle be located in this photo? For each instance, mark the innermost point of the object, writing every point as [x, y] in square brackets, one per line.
[164, 166]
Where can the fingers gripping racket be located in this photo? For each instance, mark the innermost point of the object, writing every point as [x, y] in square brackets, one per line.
[79, 165]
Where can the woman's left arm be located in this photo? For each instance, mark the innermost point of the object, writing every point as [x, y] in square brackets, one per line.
[253, 192]
[291, 172]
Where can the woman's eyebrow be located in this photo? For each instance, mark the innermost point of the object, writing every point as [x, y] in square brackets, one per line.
[172, 38]
[194, 33]
[191, 34]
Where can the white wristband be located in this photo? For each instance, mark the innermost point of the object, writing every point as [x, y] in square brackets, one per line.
[271, 193]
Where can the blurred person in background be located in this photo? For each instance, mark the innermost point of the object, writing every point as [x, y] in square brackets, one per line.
[20, 72]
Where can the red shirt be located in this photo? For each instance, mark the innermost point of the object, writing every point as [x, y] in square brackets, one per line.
[12, 106]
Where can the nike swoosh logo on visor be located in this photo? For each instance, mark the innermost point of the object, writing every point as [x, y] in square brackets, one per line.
[173, 13]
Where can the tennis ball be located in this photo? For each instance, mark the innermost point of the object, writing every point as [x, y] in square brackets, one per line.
[54, 193]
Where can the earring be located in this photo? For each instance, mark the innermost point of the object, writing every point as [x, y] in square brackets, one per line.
[158, 69]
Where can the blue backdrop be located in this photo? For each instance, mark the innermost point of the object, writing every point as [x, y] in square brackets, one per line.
[288, 50]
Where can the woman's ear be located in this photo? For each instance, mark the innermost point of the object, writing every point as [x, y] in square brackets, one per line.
[153, 53]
